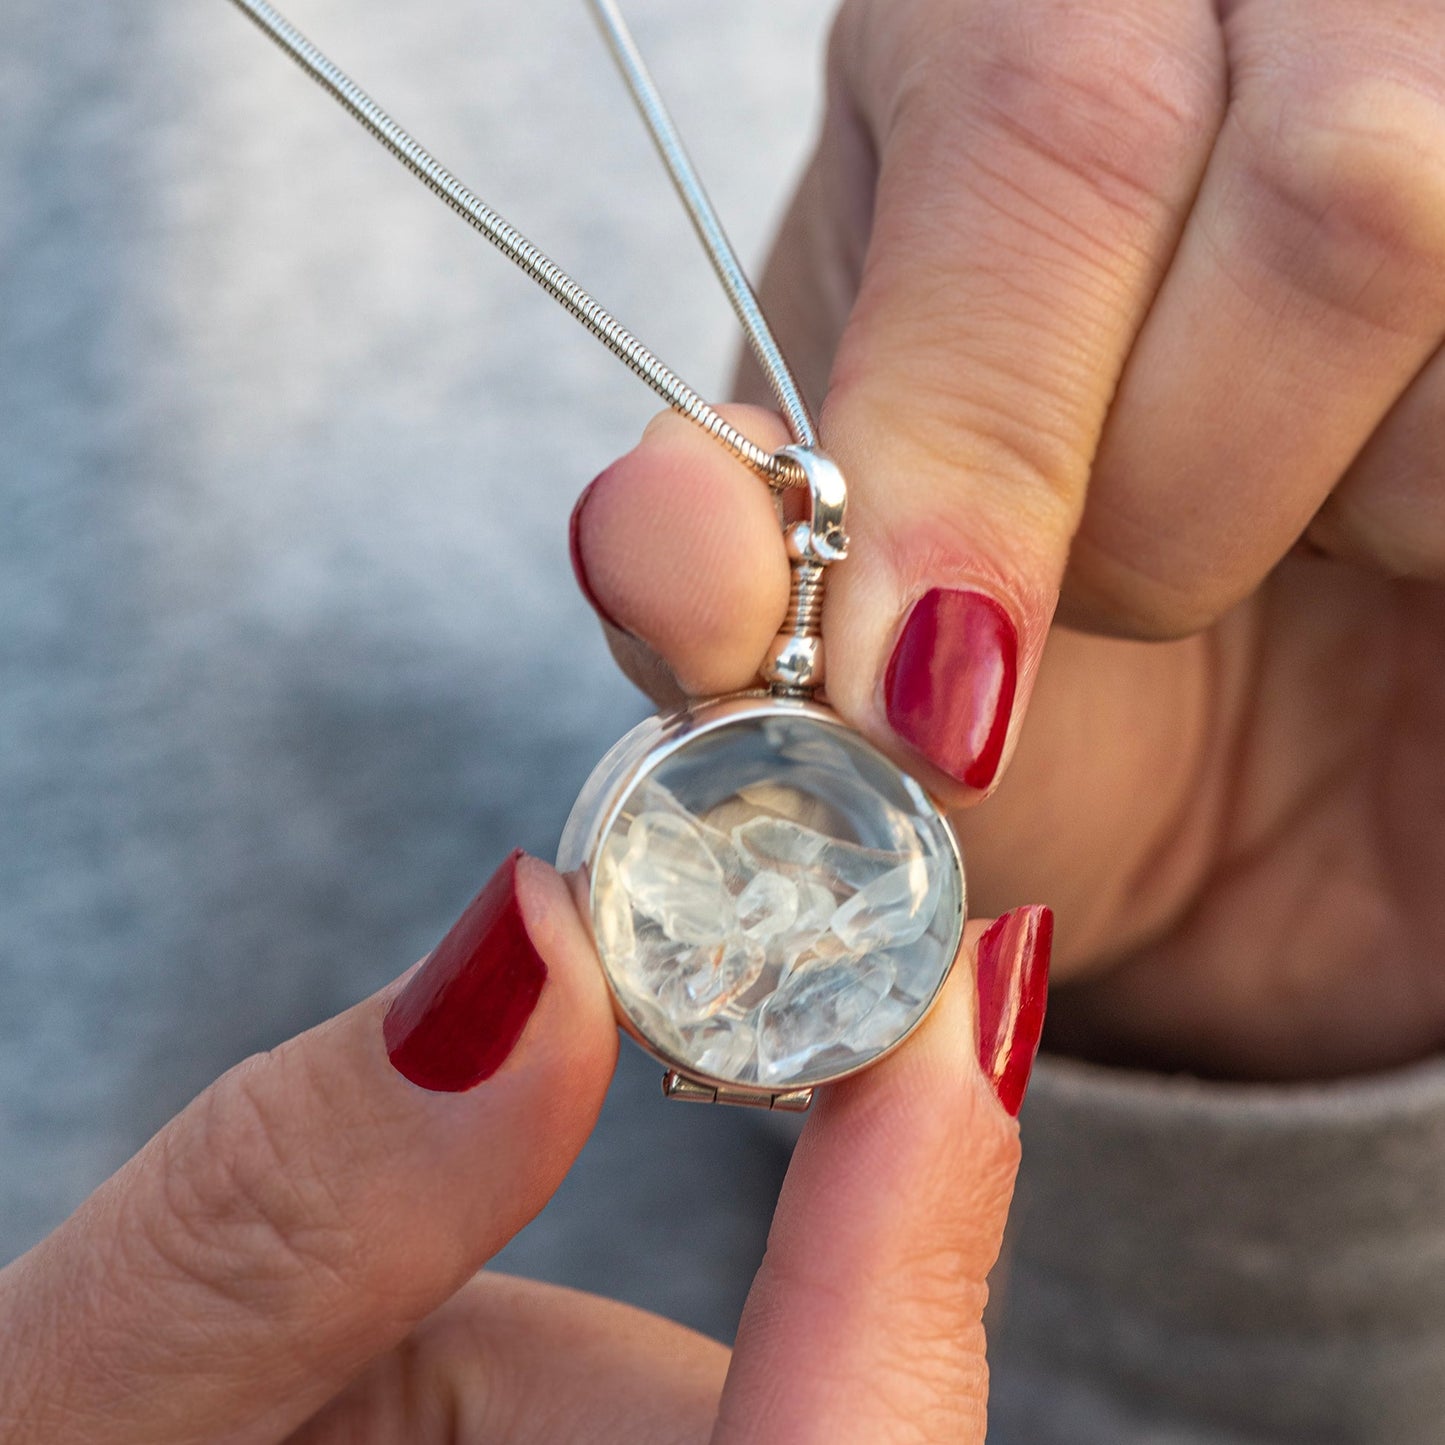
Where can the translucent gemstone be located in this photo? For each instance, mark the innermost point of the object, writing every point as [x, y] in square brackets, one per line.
[766, 842]
[768, 905]
[816, 905]
[672, 876]
[893, 910]
[770, 842]
[724, 1048]
[652, 797]
[855, 866]
[816, 748]
[655, 1025]
[616, 937]
[818, 1010]
[890, 1019]
[810, 936]
[915, 978]
[694, 982]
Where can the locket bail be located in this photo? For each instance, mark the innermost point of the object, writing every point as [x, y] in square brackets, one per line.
[793, 666]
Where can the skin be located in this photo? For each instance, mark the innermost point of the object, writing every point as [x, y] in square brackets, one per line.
[1130, 315]
[1130, 311]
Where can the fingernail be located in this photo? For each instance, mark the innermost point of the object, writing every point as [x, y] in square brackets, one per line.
[949, 687]
[1013, 986]
[579, 567]
[461, 1014]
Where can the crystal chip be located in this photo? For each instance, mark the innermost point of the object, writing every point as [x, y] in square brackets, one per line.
[816, 904]
[672, 876]
[771, 842]
[809, 937]
[894, 909]
[724, 1048]
[694, 982]
[817, 1010]
[768, 842]
[891, 1019]
[616, 936]
[768, 905]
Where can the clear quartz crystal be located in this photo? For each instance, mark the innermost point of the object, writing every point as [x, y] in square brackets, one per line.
[768, 841]
[673, 878]
[817, 1010]
[768, 905]
[894, 909]
[725, 1048]
[774, 902]
[694, 981]
[808, 935]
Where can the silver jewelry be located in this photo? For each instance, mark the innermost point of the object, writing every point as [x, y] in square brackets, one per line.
[775, 903]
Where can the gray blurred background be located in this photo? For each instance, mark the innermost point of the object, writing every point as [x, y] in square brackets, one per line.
[290, 652]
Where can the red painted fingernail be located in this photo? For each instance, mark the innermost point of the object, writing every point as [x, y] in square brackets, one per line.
[949, 688]
[461, 1014]
[579, 567]
[1013, 986]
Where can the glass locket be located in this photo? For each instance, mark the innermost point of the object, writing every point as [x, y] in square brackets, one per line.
[775, 903]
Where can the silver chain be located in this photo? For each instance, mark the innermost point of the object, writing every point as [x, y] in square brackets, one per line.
[777, 471]
[705, 221]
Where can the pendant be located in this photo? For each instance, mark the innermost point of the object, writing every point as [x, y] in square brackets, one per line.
[775, 903]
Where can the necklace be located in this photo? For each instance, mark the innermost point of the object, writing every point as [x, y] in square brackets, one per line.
[775, 903]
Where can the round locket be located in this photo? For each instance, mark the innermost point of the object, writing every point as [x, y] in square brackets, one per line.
[775, 903]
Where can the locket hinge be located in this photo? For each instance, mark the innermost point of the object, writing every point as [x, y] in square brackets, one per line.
[793, 666]
[679, 1086]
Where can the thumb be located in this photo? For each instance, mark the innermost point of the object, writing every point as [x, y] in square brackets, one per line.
[307, 1210]
[865, 1321]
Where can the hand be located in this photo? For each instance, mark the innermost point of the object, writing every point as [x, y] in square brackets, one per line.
[294, 1257]
[1134, 308]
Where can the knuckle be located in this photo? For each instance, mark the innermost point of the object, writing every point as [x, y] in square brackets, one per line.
[1108, 590]
[1124, 98]
[997, 460]
[1397, 536]
[246, 1219]
[1112, 95]
[1045, 153]
[1345, 192]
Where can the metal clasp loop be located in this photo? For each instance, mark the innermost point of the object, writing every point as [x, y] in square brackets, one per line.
[794, 664]
[822, 536]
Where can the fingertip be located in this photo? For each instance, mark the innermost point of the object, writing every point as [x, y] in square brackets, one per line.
[679, 546]
[552, 911]
[935, 661]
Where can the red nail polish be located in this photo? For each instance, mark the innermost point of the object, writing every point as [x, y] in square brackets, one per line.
[579, 567]
[1013, 986]
[461, 1014]
[949, 688]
